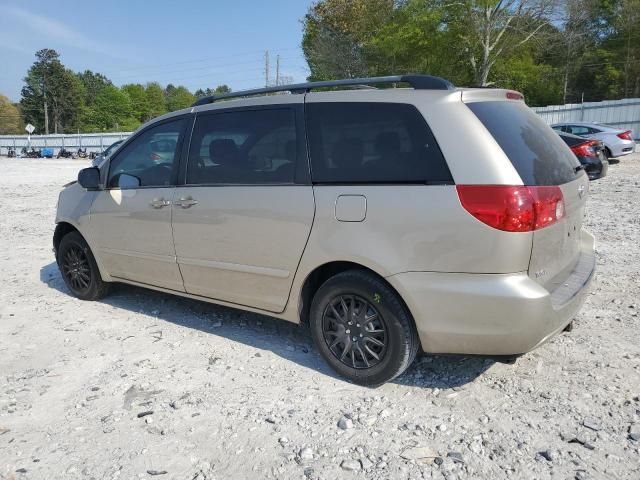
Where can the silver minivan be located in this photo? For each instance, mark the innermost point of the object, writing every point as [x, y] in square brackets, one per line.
[389, 220]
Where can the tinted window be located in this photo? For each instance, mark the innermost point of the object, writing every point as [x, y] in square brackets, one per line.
[149, 159]
[372, 142]
[538, 154]
[243, 147]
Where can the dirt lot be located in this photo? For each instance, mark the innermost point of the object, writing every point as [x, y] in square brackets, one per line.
[237, 395]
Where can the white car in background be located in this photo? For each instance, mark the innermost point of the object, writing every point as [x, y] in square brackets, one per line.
[617, 142]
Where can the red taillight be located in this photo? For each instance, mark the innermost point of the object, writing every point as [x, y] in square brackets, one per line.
[513, 208]
[511, 95]
[585, 149]
[625, 135]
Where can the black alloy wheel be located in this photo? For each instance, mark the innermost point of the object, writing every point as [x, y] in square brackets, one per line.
[79, 268]
[362, 328]
[354, 331]
[75, 268]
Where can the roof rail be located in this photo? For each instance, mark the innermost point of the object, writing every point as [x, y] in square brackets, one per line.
[419, 82]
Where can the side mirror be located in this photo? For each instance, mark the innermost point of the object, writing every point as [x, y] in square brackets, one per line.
[89, 178]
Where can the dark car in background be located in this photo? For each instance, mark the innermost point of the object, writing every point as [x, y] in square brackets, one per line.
[590, 153]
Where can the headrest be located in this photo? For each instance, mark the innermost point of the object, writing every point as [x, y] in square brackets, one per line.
[223, 151]
[348, 153]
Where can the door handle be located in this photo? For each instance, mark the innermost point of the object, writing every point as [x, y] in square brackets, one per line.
[159, 203]
[186, 202]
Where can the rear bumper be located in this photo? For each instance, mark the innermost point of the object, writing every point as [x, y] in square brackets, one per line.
[597, 170]
[492, 314]
[621, 148]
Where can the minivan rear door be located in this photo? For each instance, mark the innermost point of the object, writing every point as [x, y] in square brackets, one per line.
[541, 158]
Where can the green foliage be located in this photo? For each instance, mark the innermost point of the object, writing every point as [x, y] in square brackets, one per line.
[207, 92]
[111, 111]
[589, 47]
[584, 49]
[177, 98]
[89, 101]
[93, 84]
[10, 121]
[155, 99]
[139, 102]
[52, 88]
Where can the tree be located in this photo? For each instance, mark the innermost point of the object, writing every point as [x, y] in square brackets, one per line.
[627, 38]
[177, 98]
[492, 29]
[338, 34]
[51, 94]
[35, 92]
[10, 121]
[139, 101]
[207, 92]
[155, 99]
[111, 111]
[222, 89]
[93, 84]
[578, 35]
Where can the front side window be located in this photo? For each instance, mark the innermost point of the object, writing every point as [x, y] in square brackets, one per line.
[361, 142]
[243, 147]
[149, 160]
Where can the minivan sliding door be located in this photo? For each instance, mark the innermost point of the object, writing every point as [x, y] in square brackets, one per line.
[242, 218]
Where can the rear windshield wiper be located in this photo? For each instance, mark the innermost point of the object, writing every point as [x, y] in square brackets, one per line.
[578, 168]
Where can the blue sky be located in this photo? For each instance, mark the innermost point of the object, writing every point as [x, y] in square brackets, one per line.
[195, 43]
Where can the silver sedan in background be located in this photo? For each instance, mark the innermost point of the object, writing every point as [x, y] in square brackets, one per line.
[617, 142]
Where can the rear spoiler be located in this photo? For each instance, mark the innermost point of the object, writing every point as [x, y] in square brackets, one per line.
[490, 94]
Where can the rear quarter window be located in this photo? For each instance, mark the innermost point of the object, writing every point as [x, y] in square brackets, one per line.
[362, 142]
[538, 154]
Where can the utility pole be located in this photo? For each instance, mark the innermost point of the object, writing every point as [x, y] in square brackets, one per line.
[44, 94]
[277, 70]
[266, 68]
[46, 116]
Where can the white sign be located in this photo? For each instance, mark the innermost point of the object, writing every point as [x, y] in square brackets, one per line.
[29, 128]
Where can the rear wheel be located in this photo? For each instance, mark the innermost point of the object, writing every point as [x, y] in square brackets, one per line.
[79, 269]
[362, 328]
[608, 153]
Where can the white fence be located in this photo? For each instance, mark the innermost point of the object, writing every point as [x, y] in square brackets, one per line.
[93, 142]
[623, 114]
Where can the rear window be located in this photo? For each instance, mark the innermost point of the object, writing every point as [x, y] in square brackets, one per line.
[538, 154]
[362, 142]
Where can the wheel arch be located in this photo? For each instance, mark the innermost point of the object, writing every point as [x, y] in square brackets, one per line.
[63, 228]
[324, 272]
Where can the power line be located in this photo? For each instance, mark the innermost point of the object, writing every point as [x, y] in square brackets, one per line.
[206, 59]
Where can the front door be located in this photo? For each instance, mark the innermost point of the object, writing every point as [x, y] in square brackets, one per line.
[243, 218]
[131, 218]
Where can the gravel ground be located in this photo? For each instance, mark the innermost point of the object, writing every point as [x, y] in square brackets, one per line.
[147, 385]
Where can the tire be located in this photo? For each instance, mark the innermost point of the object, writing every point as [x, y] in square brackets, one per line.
[372, 307]
[79, 269]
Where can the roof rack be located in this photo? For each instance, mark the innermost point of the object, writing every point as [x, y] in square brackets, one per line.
[418, 82]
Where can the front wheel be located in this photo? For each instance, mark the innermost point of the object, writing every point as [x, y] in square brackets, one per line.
[79, 269]
[362, 328]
